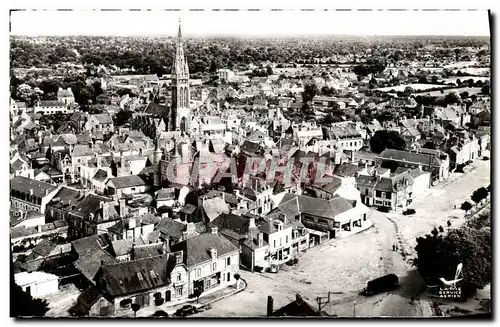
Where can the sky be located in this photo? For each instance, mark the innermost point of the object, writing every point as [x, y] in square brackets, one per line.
[251, 23]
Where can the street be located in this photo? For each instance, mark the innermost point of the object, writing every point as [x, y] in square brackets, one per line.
[344, 266]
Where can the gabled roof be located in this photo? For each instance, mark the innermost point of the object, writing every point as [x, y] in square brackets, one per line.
[102, 118]
[293, 204]
[24, 185]
[127, 181]
[196, 250]
[100, 175]
[424, 159]
[136, 276]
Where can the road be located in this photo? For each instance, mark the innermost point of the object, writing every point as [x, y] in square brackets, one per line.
[343, 266]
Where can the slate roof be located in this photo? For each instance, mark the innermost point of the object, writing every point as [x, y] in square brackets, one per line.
[127, 181]
[157, 110]
[24, 185]
[135, 276]
[89, 262]
[100, 175]
[413, 157]
[196, 250]
[147, 251]
[103, 118]
[231, 222]
[214, 207]
[297, 308]
[91, 204]
[347, 170]
[293, 204]
[170, 228]
[188, 209]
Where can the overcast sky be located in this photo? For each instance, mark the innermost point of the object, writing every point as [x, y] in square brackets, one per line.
[258, 23]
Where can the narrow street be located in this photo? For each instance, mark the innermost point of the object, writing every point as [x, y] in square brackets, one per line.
[344, 266]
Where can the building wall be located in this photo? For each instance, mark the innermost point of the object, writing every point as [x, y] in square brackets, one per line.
[38, 289]
[205, 269]
[420, 184]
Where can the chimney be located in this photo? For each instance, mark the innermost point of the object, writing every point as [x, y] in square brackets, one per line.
[270, 303]
[213, 231]
[184, 235]
[39, 228]
[251, 223]
[131, 223]
[46, 191]
[190, 228]
[260, 239]
[123, 208]
[352, 156]
[31, 191]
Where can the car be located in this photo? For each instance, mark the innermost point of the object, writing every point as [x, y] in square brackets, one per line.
[409, 212]
[383, 209]
[486, 158]
[274, 269]
[186, 310]
[160, 313]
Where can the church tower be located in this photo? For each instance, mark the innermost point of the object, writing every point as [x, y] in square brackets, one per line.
[180, 112]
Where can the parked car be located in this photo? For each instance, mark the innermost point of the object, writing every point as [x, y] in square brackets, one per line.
[273, 269]
[383, 209]
[160, 313]
[409, 212]
[186, 310]
[486, 158]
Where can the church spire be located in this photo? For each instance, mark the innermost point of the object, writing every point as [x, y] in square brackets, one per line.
[180, 67]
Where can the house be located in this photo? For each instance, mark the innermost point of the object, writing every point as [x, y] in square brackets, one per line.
[466, 149]
[165, 197]
[28, 194]
[100, 122]
[92, 215]
[211, 261]
[66, 96]
[126, 185]
[346, 136]
[146, 282]
[329, 218]
[133, 227]
[63, 202]
[37, 283]
[384, 189]
[297, 308]
[26, 219]
[51, 107]
[23, 238]
[437, 162]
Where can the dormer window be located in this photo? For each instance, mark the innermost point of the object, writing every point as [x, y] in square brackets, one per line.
[178, 258]
[213, 253]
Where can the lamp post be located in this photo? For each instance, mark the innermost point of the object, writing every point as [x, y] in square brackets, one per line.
[354, 309]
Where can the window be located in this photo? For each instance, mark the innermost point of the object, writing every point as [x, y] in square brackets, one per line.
[179, 292]
[274, 243]
[378, 194]
[214, 266]
[286, 239]
[133, 188]
[198, 272]
[179, 277]
[228, 263]
[228, 276]
[139, 275]
[366, 192]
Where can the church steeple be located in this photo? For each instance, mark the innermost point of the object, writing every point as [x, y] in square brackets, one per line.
[180, 112]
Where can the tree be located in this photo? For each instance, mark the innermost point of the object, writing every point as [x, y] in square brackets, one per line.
[451, 98]
[485, 90]
[476, 197]
[438, 256]
[482, 193]
[269, 70]
[441, 229]
[123, 117]
[466, 206]
[24, 305]
[310, 91]
[135, 307]
[385, 139]
[464, 95]
[448, 223]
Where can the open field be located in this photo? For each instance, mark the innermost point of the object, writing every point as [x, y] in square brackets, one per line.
[470, 90]
[416, 86]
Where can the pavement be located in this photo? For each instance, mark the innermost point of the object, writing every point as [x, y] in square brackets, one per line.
[344, 266]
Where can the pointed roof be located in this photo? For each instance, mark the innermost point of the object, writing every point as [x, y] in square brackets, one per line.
[180, 67]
